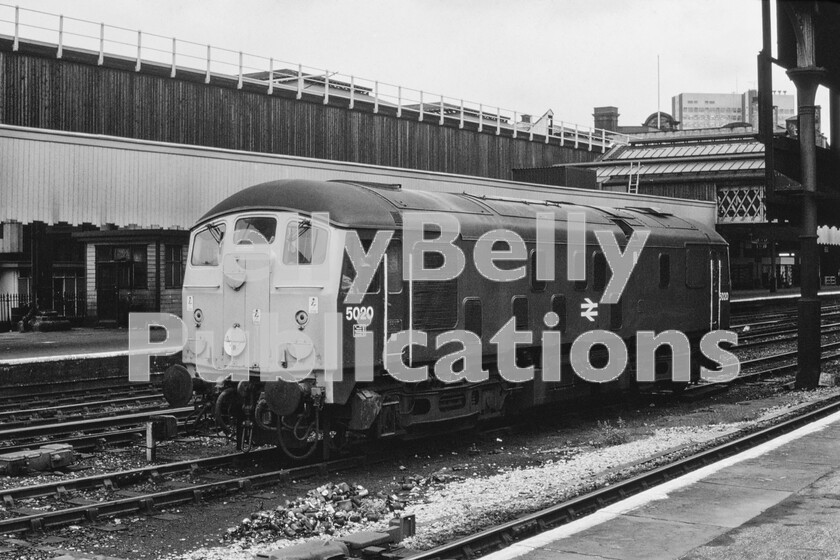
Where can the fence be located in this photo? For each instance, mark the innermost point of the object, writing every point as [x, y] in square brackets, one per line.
[72, 305]
[14, 306]
[274, 74]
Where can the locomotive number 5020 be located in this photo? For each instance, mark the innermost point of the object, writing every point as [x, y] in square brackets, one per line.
[359, 313]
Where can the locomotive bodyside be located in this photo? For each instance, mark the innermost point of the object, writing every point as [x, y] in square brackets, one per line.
[265, 299]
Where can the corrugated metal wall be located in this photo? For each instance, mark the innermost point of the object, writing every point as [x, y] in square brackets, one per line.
[75, 178]
[44, 92]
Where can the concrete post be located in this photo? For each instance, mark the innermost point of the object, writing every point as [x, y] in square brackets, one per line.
[808, 345]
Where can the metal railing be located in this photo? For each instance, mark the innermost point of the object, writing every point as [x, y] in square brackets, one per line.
[13, 306]
[145, 48]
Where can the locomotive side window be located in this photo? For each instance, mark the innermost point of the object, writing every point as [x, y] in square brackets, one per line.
[395, 272]
[599, 272]
[664, 270]
[254, 231]
[205, 251]
[580, 285]
[472, 316]
[616, 316]
[536, 285]
[349, 275]
[696, 266]
[558, 305]
[305, 244]
[520, 311]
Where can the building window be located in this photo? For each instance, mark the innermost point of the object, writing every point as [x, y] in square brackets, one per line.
[174, 267]
[68, 291]
[122, 267]
[24, 281]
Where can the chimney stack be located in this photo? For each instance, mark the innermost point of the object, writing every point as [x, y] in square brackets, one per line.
[606, 118]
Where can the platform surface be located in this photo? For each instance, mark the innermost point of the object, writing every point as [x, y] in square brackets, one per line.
[744, 296]
[75, 342]
[780, 500]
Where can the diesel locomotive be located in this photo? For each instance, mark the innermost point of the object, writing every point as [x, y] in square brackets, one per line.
[290, 349]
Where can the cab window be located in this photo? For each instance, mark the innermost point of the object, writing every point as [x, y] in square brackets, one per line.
[305, 244]
[254, 231]
[205, 251]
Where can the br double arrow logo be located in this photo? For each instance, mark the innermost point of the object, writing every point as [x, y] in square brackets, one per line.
[589, 310]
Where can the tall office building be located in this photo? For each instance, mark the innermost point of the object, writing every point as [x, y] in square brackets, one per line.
[713, 110]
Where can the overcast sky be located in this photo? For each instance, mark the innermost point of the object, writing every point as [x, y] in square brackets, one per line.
[523, 55]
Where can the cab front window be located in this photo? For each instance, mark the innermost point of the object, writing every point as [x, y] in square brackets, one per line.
[254, 231]
[205, 251]
[305, 244]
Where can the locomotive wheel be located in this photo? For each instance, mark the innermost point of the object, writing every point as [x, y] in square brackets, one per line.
[298, 435]
[228, 411]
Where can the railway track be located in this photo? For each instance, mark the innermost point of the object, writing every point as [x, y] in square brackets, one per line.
[80, 411]
[22, 437]
[16, 403]
[68, 505]
[768, 323]
[505, 534]
[71, 388]
[779, 335]
[752, 373]
[786, 314]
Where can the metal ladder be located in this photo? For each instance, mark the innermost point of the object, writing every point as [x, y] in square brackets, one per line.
[633, 177]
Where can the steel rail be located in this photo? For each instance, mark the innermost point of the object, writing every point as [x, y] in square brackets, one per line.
[81, 411]
[70, 386]
[784, 336]
[777, 321]
[93, 424]
[781, 311]
[12, 404]
[783, 356]
[87, 442]
[167, 498]
[117, 480]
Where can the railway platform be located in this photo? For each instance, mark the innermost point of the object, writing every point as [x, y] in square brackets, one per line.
[75, 343]
[744, 296]
[35, 358]
[777, 500]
